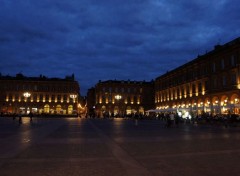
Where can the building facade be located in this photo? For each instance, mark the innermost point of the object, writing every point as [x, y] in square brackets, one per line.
[210, 83]
[115, 98]
[40, 95]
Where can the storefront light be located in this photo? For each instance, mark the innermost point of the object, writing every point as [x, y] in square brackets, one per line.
[236, 100]
[238, 86]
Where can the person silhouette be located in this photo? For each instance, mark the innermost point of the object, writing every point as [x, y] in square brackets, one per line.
[31, 116]
[20, 117]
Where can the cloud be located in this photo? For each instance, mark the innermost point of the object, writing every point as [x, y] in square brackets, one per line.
[106, 39]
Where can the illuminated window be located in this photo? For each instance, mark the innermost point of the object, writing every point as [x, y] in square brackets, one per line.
[46, 108]
[58, 109]
[141, 110]
[129, 110]
[100, 99]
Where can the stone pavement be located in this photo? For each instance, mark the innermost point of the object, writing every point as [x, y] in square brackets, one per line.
[116, 147]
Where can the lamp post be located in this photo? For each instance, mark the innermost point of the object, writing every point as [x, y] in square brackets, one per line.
[118, 98]
[73, 96]
[26, 95]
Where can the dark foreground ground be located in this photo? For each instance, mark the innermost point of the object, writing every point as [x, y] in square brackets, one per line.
[93, 147]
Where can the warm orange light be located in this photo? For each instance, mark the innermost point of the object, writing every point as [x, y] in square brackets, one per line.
[236, 100]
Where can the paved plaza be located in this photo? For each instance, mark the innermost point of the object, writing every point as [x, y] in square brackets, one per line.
[116, 147]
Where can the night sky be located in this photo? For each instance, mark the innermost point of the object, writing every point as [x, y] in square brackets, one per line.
[110, 39]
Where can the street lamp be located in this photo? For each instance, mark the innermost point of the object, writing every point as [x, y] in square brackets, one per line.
[26, 95]
[118, 97]
[73, 96]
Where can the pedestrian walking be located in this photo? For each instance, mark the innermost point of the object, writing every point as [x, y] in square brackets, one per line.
[168, 121]
[20, 118]
[14, 116]
[176, 119]
[31, 116]
[172, 119]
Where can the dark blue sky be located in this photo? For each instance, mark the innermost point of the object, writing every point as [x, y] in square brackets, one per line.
[110, 39]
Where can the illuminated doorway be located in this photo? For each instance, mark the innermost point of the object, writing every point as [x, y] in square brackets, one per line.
[46, 108]
[70, 109]
[58, 109]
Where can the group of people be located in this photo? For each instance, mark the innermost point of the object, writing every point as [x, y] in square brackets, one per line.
[172, 119]
[30, 115]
